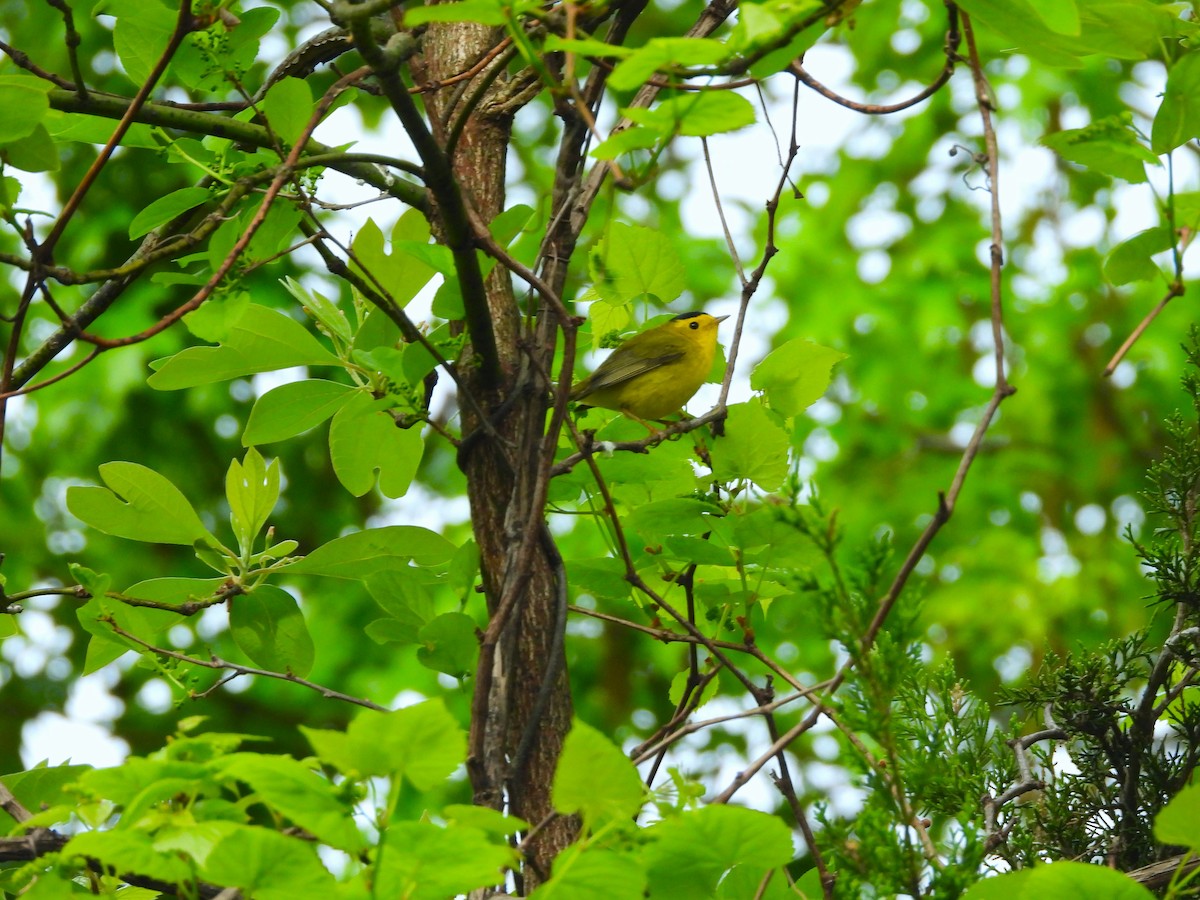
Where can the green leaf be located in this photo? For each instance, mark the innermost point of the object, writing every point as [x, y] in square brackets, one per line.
[407, 269]
[1108, 145]
[1176, 824]
[25, 104]
[216, 317]
[795, 375]
[696, 115]
[43, 786]
[138, 504]
[364, 439]
[1059, 15]
[166, 208]
[1131, 259]
[586, 47]
[288, 107]
[1060, 879]
[589, 759]
[267, 865]
[592, 873]
[263, 340]
[633, 262]
[1178, 118]
[405, 599]
[690, 852]
[36, 152]
[754, 448]
[300, 794]
[141, 34]
[449, 644]
[366, 553]
[485, 12]
[269, 628]
[1018, 22]
[252, 489]
[665, 53]
[293, 409]
[678, 515]
[422, 743]
[420, 861]
[626, 141]
[128, 851]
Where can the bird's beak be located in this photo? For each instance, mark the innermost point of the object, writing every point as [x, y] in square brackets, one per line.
[721, 319]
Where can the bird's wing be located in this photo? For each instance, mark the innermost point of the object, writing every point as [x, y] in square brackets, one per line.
[615, 371]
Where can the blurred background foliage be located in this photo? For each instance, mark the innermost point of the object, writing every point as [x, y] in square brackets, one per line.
[883, 255]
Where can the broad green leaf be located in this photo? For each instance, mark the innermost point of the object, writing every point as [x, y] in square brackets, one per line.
[603, 578]
[589, 759]
[1059, 15]
[365, 553]
[664, 53]
[489, 821]
[141, 34]
[1059, 879]
[300, 794]
[1176, 824]
[403, 271]
[269, 628]
[210, 59]
[405, 599]
[36, 152]
[252, 489]
[1178, 118]
[1108, 145]
[449, 644]
[24, 101]
[1131, 259]
[696, 115]
[216, 317]
[626, 141]
[267, 865]
[420, 861]
[423, 743]
[753, 448]
[263, 340]
[293, 409]
[688, 853]
[138, 504]
[485, 12]
[795, 375]
[288, 107]
[677, 515]
[1018, 22]
[41, 787]
[586, 47]
[364, 439]
[591, 873]
[633, 262]
[166, 208]
[128, 850]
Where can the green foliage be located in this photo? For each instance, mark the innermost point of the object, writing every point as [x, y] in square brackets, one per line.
[948, 670]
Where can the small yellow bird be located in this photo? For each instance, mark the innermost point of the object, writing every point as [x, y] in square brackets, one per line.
[653, 374]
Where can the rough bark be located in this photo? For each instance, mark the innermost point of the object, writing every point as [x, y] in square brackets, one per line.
[522, 709]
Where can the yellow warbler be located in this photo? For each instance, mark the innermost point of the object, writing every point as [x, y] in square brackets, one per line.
[654, 373]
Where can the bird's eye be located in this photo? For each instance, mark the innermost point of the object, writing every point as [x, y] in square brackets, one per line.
[693, 325]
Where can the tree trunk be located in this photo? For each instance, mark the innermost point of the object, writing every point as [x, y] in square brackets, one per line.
[522, 707]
